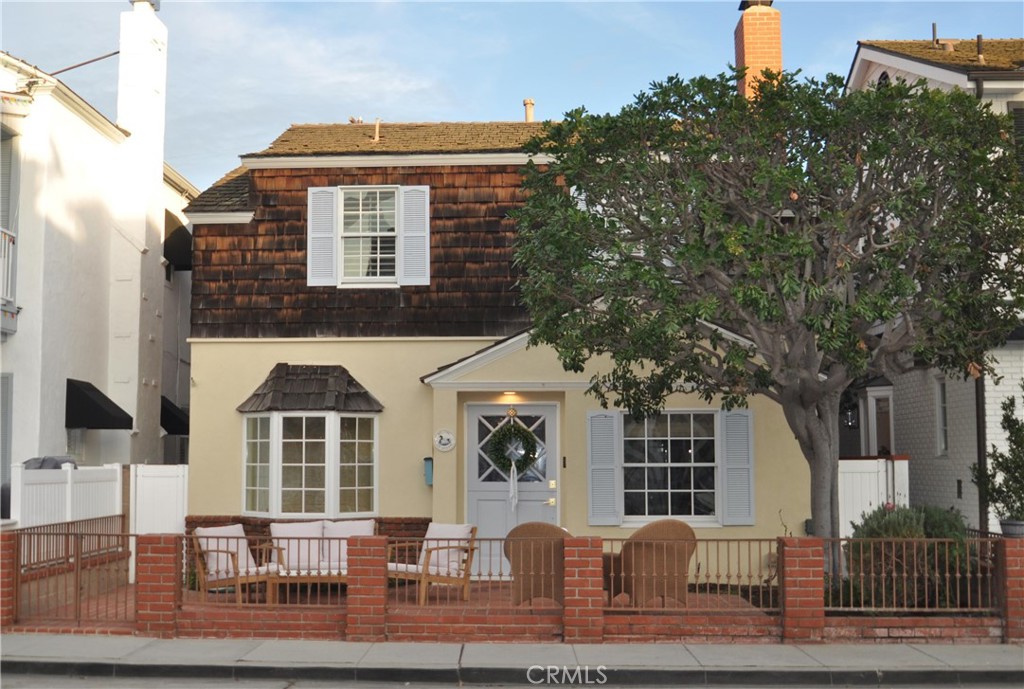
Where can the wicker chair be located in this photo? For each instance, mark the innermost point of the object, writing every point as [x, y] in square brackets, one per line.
[536, 551]
[653, 566]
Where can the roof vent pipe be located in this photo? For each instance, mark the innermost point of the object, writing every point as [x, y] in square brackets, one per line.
[935, 35]
[981, 51]
[528, 104]
[376, 130]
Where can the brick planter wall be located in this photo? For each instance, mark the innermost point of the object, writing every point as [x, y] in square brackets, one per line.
[677, 627]
[584, 594]
[367, 588]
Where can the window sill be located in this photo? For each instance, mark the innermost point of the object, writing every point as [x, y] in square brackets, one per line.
[696, 522]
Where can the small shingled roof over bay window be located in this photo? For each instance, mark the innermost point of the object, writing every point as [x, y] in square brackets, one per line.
[292, 387]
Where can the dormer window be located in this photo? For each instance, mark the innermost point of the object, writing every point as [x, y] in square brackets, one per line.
[368, 236]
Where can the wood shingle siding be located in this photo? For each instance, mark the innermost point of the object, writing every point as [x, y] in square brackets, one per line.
[249, 280]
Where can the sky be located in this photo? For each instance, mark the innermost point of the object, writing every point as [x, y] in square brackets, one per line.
[239, 73]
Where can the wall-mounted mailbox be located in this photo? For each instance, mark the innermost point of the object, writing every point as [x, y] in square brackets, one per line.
[428, 470]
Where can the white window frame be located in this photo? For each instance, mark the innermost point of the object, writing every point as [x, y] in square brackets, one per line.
[941, 417]
[633, 521]
[332, 469]
[326, 238]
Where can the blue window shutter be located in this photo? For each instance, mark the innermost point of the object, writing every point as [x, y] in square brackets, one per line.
[737, 468]
[321, 237]
[604, 484]
[414, 241]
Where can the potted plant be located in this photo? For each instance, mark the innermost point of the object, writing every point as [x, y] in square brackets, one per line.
[1003, 479]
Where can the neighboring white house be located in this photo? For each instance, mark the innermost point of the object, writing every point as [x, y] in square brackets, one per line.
[94, 315]
[942, 422]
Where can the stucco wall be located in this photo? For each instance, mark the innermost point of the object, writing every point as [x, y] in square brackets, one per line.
[226, 372]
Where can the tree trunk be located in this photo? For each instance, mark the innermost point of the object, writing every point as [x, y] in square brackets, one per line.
[816, 427]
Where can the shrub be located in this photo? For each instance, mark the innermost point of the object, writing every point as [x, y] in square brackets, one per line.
[901, 568]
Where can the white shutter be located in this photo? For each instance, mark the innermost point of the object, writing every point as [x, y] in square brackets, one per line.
[737, 468]
[414, 237]
[604, 486]
[321, 237]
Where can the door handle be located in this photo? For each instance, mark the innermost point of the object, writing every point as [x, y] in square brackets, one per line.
[551, 501]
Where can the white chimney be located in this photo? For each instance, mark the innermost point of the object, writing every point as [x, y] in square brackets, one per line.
[136, 294]
[528, 104]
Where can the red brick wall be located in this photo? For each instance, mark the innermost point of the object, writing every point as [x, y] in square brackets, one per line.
[921, 629]
[691, 628]
[367, 588]
[430, 623]
[802, 584]
[157, 584]
[261, 622]
[584, 597]
[1010, 556]
[8, 587]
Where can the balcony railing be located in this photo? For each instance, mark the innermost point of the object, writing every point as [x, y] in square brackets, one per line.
[7, 241]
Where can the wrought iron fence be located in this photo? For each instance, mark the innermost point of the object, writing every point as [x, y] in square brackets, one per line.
[701, 575]
[910, 575]
[75, 572]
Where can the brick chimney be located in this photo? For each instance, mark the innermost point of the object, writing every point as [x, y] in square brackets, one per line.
[758, 40]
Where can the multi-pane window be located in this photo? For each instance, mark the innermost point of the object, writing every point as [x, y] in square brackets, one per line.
[368, 233]
[257, 464]
[303, 464]
[315, 464]
[356, 452]
[669, 465]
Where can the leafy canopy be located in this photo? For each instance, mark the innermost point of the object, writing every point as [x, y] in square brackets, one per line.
[782, 245]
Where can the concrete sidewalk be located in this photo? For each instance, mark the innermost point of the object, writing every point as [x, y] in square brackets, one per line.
[527, 664]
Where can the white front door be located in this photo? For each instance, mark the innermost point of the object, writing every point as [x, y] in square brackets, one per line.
[491, 505]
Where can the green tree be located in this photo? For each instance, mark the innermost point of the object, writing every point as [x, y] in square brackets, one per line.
[783, 245]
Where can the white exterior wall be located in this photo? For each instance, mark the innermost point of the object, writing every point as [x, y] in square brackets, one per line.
[934, 474]
[1010, 371]
[64, 225]
[90, 205]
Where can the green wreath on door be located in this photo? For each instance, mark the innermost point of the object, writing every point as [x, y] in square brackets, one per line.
[502, 447]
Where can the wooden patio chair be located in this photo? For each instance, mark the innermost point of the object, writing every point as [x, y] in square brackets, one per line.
[536, 553]
[445, 558]
[653, 564]
[223, 560]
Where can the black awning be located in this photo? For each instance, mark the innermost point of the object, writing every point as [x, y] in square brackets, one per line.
[173, 418]
[178, 243]
[87, 407]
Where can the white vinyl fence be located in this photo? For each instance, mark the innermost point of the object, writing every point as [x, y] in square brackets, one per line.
[159, 495]
[49, 496]
[865, 484]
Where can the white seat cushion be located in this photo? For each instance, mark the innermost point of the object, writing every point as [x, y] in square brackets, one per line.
[334, 552]
[403, 568]
[300, 543]
[262, 570]
[448, 560]
[229, 538]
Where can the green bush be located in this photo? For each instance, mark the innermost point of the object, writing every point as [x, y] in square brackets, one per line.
[900, 568]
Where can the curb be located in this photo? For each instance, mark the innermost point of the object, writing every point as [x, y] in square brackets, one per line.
[519, 676]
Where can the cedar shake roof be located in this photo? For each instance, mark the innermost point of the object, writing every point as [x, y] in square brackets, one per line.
[310, 388]
[228, 194]
[1001, 54]
[397, 138]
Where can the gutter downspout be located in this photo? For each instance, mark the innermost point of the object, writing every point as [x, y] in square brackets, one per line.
[981, 444]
